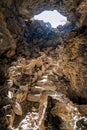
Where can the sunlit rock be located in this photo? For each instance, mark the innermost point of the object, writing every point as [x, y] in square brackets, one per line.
[17, 109]
[43, 69]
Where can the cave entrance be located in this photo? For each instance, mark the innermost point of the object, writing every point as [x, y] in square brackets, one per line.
[51, 18]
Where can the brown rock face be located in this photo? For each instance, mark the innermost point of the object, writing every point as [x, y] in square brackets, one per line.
[43, 71]
[74, 57]
[7, 43]
[74, 10]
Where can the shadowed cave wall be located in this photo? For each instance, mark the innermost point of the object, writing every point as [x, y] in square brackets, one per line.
[31, 52]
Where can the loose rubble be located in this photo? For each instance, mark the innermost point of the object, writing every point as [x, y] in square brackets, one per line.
[43, 70]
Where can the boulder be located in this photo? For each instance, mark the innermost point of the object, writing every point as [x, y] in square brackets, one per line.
[33, 97]
[17, 109]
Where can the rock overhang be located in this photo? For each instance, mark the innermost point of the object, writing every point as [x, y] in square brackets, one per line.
[73, 10]
[28, 9]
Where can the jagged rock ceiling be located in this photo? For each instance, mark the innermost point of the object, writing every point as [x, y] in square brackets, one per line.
[43, 72]
[73, 10]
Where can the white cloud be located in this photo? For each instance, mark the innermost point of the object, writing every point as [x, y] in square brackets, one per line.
[53, 17]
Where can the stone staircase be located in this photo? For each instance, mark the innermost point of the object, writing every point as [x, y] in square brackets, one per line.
[41, 78]
[43, 88]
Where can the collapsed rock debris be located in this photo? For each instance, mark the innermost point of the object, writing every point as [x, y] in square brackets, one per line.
[42, 70]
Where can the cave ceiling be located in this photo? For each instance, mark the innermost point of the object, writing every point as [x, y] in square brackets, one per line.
[43, 73]
[30, 8]
[73, 10]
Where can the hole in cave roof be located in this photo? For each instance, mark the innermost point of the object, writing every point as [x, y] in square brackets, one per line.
[51, 18]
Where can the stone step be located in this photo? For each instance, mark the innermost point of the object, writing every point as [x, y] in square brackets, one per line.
[37, 89]
[47, 84]
[44, 77]
[34, 97]
[50, 87]
[44, 82]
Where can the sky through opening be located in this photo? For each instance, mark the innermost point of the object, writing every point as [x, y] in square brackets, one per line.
[53, 17]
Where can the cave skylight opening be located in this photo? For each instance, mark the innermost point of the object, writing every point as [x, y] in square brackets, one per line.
[52, 18]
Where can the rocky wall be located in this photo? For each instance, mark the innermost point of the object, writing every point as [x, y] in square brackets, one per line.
[43, 71]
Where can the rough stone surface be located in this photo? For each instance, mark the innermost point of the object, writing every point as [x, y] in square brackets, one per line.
[43, 71]
[7, 43]
[74, 10]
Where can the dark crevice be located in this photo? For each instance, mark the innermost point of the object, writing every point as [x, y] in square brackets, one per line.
[76, 99]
